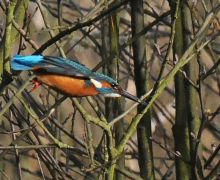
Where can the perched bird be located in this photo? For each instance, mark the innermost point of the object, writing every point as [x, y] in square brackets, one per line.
[69, 77]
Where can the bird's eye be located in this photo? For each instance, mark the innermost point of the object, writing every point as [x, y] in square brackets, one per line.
[114, 86]
[117, 88]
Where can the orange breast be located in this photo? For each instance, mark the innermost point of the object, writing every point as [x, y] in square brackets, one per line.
[69, 85]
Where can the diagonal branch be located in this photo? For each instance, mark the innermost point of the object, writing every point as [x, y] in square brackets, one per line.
[187, 56]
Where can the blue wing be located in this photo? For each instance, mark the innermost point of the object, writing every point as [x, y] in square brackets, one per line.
[56, 65]
[51, 65]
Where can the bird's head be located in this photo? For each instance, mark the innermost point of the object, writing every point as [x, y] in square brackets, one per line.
[112, 90]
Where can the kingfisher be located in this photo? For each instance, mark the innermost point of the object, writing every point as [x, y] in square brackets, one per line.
[69, 77]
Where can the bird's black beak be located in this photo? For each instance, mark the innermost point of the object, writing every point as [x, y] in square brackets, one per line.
[131, 97]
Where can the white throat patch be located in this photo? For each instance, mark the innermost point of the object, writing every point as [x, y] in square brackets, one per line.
[97, 84]
[112, 95]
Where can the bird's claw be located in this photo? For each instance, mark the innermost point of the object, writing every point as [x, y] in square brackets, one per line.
[36, 84]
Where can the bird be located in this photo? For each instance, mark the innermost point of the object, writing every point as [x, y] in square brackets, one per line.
[69, 77]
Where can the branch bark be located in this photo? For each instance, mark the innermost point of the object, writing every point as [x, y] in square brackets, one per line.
[142, 85]
[15, 10]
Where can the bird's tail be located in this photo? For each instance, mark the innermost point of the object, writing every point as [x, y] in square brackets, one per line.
[21, 63]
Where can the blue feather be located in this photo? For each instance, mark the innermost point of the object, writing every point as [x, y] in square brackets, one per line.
[20, 62]
[100, 76]
[57, 65]
[105, 90]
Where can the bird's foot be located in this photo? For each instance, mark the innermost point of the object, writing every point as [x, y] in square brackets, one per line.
[36, 84]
